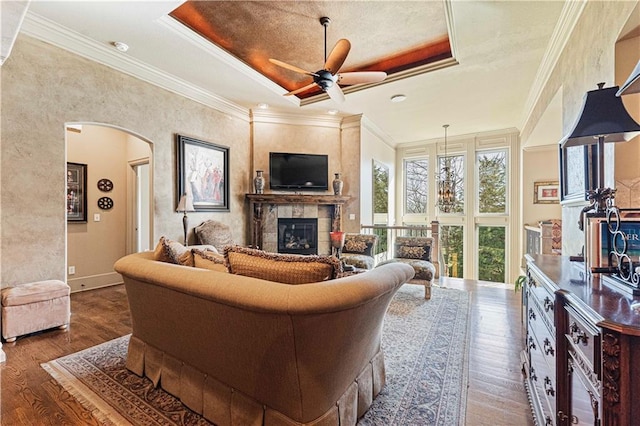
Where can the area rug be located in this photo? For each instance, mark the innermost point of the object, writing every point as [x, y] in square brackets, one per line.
[426, 358]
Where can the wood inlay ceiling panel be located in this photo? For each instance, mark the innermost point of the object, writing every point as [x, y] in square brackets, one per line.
[390, 36]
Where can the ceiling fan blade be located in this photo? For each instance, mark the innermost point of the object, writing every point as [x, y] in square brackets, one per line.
[347, 78]
[335, 93]
[302, 89]
[337, 56]
[291, 67]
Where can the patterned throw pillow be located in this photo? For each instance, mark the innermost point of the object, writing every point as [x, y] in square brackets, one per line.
[358, 243]
[413, 249]
[207, 259]
[282, 268]
[172, 252]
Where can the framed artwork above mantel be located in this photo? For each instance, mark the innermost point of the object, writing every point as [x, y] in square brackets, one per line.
[578, 171]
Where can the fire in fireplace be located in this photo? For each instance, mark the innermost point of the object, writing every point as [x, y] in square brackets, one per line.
[298, 236]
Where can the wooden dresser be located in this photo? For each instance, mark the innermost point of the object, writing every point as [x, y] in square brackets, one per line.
[581, 360]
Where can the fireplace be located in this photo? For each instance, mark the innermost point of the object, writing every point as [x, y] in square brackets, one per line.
[298, 235]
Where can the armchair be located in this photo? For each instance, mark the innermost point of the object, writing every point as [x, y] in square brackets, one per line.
[359, 250]
[417, 252]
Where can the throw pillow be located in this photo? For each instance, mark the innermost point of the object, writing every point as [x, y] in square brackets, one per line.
[358, 243]
[173, 252]
[282, 268]
[413, 250]
[207, 259]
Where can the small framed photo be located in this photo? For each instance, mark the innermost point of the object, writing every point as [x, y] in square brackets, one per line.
[76, 192]
[203, 172]
[546, 193]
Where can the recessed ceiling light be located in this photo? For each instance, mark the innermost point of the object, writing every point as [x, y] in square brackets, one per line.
[123, 47]
[398, 98]
[333, 111]
[263, 105]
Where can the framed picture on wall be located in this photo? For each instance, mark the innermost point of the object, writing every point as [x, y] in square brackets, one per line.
[546, 193]
[76, 192]
[203, 172]
[578, 171]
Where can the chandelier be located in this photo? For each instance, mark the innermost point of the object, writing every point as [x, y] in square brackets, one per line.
[446, 191]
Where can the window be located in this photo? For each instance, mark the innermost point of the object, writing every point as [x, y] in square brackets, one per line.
[478, 239]
[452, 250]
[492, 181]
[416, 186]
[491, 253]
[456, 165]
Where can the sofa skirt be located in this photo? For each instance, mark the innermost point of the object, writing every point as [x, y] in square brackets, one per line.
[222, 405]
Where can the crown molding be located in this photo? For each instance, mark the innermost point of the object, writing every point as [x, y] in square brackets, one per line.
[275, 117]
[352, 121]
[451, 28]
[45, 30]
[507, 134]
[378, 132]
[13, 13]
[567, 21]
[444, 63]
[541, 148]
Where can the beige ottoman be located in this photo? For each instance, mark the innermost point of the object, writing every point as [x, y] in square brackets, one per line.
[34, 307]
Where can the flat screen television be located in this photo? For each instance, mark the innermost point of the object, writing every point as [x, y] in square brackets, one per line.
[298, 171]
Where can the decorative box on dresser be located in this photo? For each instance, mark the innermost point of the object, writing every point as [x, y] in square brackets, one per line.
[581, 360]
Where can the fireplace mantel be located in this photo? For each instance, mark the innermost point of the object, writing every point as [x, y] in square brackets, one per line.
[297, 199]
[258, 200]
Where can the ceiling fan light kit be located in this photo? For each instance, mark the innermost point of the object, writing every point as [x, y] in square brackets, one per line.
[328, 79]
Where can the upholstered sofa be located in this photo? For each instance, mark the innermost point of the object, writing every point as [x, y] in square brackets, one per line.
[246, 351]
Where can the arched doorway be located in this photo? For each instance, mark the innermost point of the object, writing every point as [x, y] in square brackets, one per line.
[117, 192]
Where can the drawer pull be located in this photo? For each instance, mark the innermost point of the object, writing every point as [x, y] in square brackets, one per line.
[548, 347]
[532, 374]
[578, 335]
[563, 417]
[548, 387]
[532, 315]
[548, 304]
[532, 343]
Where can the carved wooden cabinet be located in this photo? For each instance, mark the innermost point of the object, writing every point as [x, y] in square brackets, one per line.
[581, 359]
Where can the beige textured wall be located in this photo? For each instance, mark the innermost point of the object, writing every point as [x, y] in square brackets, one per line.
[351, 152]
[340, 141]
[44, 87]
[588, 58]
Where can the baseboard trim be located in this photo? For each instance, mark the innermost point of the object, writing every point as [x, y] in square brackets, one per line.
[91, 282]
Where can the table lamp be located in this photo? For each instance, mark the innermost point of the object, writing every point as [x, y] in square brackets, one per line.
[185, 205]
[632, 85]
[603, 119]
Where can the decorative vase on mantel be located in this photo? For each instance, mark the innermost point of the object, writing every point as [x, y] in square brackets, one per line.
[337, 185]
[258, 182]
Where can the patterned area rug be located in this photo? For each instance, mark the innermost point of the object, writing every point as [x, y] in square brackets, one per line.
[426, 358]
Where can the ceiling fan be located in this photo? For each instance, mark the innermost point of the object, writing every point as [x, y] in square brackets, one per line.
[328, 78]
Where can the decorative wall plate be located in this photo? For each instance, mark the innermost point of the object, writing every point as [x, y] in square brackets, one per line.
[105, 185]
[105, 203]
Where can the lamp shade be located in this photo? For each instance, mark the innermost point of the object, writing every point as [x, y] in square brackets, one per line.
[603, 114]
[632, 85]
[185, 204]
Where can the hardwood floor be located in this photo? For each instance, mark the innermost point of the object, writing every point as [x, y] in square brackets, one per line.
[29, 396]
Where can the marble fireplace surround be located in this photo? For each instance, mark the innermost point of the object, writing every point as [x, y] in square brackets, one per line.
[267, 208]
